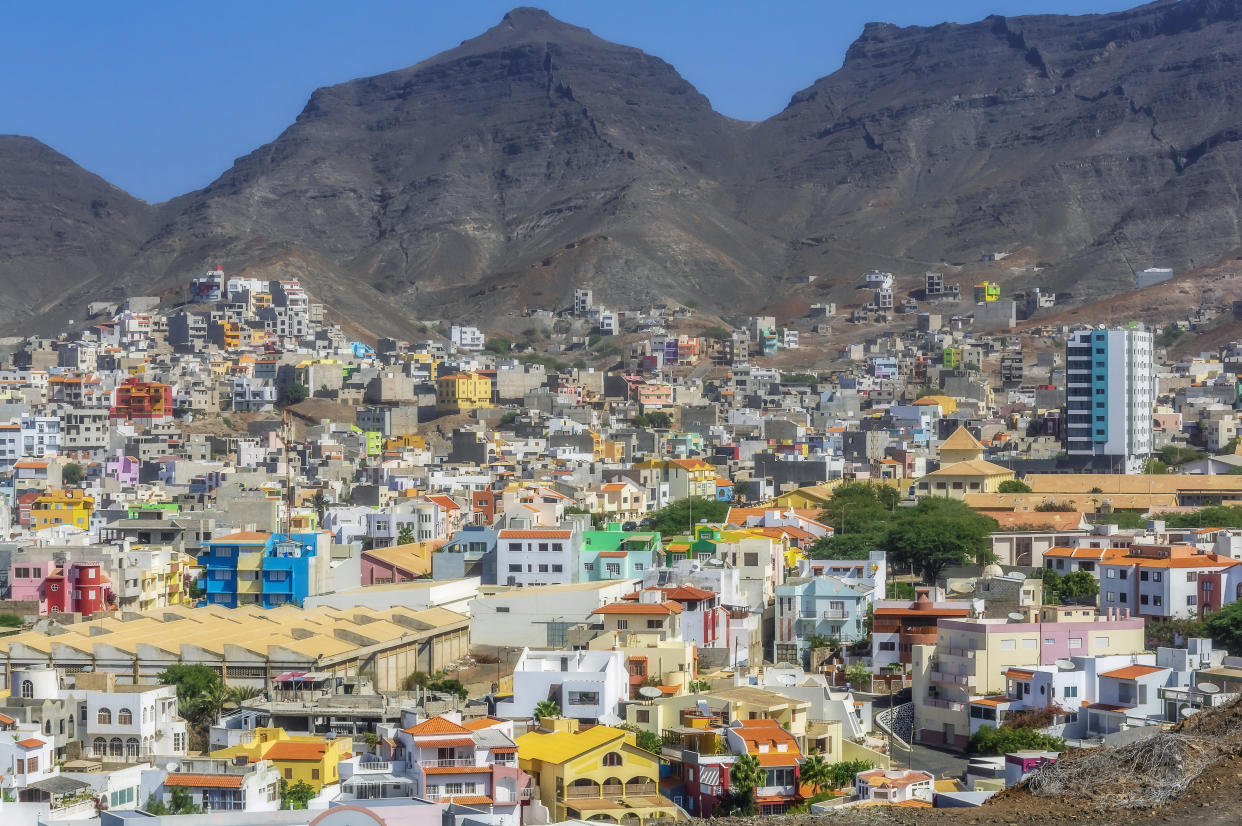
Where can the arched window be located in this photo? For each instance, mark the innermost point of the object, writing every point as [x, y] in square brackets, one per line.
[105, 717]
[125, 717]
[116, 748]
[100, 747]
[47, 726]
[27, 689]
[132, 747]
[612, 758]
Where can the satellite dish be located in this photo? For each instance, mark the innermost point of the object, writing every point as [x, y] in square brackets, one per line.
[1066, 665]
[1188, 711]
[173, 767]
[1018, 575]
[1016, 617]
[650, 692]
[1208, 688]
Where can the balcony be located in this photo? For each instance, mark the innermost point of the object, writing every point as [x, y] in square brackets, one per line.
[955, 679]
[835, 614]
[454, 762]
[374, 768]
[936, 702]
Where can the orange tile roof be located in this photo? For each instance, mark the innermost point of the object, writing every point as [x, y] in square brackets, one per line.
[6, 719]
[1086, 553]
[1108, 707]
[1132, 672]
[31, 743]
[445, 742]
[684, 592]
[294, 750]
[204, 781]
[471, 799]
[535, 534]
[613, 554]
[1050, 520]
[247, 537]
[481, 723]
[669, 607]
[436, 725]
[776, 758]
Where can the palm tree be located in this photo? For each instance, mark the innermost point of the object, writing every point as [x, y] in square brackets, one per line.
[547, 708]
[814, 772]
[745, 774]
[239, 694]
[817, 641]
[405, 535]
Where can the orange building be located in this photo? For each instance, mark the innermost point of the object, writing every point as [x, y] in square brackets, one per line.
[142, 401]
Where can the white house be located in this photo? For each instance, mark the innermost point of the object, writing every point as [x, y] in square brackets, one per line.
[587, 685]
[129, 722]
[541, 556]
[894, 786]
[540, 616]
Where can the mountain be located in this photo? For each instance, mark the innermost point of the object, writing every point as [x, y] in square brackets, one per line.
[61, 228]
[538, 157]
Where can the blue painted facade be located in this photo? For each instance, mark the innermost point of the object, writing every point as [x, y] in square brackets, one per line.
[256, 569]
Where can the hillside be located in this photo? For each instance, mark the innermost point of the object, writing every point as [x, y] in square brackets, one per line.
[538, 157]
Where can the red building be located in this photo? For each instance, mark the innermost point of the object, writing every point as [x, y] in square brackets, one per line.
[142, 401]
[77, 589]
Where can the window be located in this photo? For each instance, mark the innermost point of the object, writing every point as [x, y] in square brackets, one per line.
[1190, 600]
[105, 717]
[642, 715]
[1192, 576]
[557, 547]
[583, 698]
[100, 747]
[515, 569]
[888, 646]
[613, 568]
[1142, 599]
[124, 717]
[288, 774]
[1112, 573]
[1143, 576]
[1110, 597]
[612, 758]
[1071, 691]
[543, 546]
[588, 566]
[750, 559]
[1101, 642]
[1124, 574]
[515, 547]
[502, 609]
[1030, 644]
[543, 569]
[623, 625]
[1157, 600]
[27, 688]
[1075, 642]
[655, 623]
[314, 774]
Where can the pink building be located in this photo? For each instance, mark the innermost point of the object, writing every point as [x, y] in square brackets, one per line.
[122, 468]
[75, 588]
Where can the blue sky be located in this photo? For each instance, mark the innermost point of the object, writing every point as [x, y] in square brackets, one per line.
[160, 97]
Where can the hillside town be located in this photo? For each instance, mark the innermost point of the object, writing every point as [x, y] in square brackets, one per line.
[626, 566]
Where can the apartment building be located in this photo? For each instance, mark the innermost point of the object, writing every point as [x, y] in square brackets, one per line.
[1110, 391]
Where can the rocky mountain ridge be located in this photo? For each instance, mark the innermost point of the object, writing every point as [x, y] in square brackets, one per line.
[538, 157]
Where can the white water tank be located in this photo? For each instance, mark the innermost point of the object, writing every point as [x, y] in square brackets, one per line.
[36, 681]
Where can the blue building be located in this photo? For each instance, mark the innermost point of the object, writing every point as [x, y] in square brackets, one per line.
[470, 552]
[823, 605]
[260, 568]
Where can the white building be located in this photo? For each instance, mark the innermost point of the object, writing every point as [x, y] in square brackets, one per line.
[1110, 393]
[895, 786]
[541, 556]
[539, 617]
[587, 685]
[584, 300]
[469, 339]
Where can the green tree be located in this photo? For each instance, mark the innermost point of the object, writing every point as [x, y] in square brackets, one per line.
[72, 474]
[859, 676]
[296, 795]
[1155, 466]
[295, 393]
[1003, 740]
[192, 681]
[699, 686]
[1014, 486]
[508, 418]
[745, 775]
[1225, 627]
[181, 803]
[814, 772]
[645, 740]
[817, 641]
[1080, 587]
[674, 519]
[843, 773]
[10, 621]
[405, 534]
[1214, 516]
[659, 420]
[842, 546]
[1173, 455]
[937, 533]
[717, 333]
[547, 708]
[155, 806]
[1126, 520]
[498, 345]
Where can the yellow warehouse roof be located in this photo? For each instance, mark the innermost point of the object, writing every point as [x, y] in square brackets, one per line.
[961, 439]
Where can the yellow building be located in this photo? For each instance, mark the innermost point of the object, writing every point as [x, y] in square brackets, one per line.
[459, 392]
[987, 291]
[960, 478]
[961, 446]
[62, 507]
[311, 760]
[599, 774]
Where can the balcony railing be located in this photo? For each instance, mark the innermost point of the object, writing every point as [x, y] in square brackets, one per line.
[382, 768]
[935, 702]
[956, 679]
[455, 761]
[968, 653]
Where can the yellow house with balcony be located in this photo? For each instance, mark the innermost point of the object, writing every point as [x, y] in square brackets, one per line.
[62, 507]
[459, 392]
[311, 760]
[599, 774]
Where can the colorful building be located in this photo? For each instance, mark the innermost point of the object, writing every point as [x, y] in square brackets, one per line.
[140, 401]
[459, 392]
[596, 774]
[987, 291]
[616, 554]
[260, 568]
[62, 507]
[299, 759]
